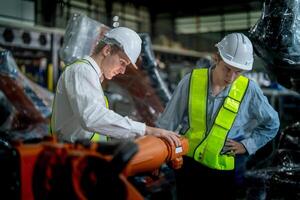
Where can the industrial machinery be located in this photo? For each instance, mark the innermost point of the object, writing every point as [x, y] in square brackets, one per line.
[279, 176]
[25, 106]
[84, 170]
[276, 41]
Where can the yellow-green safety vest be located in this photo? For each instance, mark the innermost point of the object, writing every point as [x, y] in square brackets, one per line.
[206, 148]
[96, 136]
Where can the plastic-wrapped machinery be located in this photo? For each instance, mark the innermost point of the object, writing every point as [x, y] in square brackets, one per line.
[81, 36]
[276, 40]
[25, 106]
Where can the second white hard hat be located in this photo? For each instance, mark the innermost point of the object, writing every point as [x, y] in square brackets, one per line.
[236, 50]
[128, 40]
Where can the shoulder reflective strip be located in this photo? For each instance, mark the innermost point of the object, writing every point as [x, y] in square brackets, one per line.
[238, 88]
[197, 108]
[225, 118]
[231, 104]
[197, 99]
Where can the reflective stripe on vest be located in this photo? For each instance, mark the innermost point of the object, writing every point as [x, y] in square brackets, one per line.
[206, 148]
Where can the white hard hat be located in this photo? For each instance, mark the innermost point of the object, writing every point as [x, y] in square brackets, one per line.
[128, 40]
[236, 50]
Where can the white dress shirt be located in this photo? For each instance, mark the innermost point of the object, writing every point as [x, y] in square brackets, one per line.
[79, 107]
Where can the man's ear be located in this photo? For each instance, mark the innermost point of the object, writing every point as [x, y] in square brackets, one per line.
[106, 50]
[216, 58]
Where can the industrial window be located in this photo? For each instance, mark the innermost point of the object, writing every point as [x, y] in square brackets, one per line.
[216, 23]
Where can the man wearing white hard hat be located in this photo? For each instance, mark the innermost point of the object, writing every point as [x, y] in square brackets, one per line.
[224, 115]
[80, 107]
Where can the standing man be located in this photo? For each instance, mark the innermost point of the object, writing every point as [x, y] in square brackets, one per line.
[224, 115]
[79, 108]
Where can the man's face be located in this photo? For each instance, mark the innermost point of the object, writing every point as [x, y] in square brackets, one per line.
[227, 74]
[115, 64]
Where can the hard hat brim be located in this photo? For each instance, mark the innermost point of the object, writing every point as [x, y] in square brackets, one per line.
[136, 64]
[133, 65]
[236, 65]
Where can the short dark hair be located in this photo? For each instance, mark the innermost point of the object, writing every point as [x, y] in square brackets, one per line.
[216, 57]
[114, 48]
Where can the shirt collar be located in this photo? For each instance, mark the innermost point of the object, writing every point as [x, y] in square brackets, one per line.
[94, 65]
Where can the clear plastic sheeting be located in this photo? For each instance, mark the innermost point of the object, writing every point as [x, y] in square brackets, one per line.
[8, 65]
[25, 106]
[276, 39]
[81, 36]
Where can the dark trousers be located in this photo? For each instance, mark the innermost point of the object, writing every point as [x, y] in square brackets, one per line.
[195, 181]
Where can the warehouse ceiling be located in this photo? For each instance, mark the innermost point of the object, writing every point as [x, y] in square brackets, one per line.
[196, 7]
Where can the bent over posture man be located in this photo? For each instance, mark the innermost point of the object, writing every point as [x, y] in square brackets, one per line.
[79, 108]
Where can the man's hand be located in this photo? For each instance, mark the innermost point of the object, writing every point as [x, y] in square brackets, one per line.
[233, 147]
[170, 136]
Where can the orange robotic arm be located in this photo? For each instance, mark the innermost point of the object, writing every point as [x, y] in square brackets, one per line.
[153, 152]
[49, 170]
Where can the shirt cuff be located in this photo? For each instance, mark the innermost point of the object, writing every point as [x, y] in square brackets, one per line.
[138, 128]
[249, 145]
